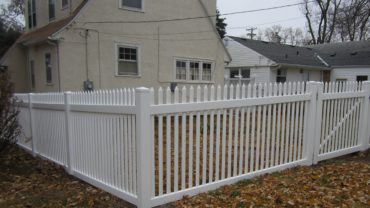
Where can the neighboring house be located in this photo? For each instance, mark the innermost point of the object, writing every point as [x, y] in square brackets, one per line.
[260, 61]
[77, 44]
[349, 61]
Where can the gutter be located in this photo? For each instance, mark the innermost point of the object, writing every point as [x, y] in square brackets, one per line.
[215, 30]
[278, 66]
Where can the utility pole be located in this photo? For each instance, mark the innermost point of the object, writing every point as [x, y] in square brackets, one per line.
[251, 34]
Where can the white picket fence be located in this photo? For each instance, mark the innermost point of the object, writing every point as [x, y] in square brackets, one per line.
[152, 147]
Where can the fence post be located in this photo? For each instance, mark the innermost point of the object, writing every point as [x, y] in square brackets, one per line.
[69, 149]
[32, 124]
[364, 132]
[309, 135]
[318, 122]
[144, 151]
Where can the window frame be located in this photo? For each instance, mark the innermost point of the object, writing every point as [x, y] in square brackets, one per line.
[359, 78]
[66, 5]
[240, 74]
[32, 17]
[281, 76]
[49, 11]
[51, 81]
[32, 74]
[188, 70]
[121, 6]
[138, 61]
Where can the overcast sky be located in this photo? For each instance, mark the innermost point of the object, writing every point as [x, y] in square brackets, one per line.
[287, 17]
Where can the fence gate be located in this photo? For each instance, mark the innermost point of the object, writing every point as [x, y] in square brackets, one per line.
[341, 119]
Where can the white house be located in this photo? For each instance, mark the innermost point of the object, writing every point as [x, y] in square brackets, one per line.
[260, 61]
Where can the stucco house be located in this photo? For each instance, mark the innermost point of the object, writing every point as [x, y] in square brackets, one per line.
[256, 61]
[85, 44]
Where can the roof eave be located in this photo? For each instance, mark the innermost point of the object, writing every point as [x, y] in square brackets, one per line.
[305, 67]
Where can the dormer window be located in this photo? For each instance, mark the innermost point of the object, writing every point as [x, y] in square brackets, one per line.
[51, 10]
[132, 4]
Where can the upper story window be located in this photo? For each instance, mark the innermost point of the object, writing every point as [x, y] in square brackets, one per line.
[128, 61]
[193, 70]
[51, 9]
[134, 4]
[31, 9]
[65, 3]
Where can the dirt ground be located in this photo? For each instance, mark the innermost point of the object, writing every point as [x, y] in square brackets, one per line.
[26, 181]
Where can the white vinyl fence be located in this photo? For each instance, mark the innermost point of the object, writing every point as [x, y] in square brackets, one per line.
[152, 147]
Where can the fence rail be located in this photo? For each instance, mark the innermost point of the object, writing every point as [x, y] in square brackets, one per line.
[150, 147]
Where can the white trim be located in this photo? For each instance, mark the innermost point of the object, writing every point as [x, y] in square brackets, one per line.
[138, 56]
[70, 22]
[133, 9]
[201, 62]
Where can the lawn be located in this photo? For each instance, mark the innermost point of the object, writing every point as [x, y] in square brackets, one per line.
[343, 182]
[26, 181]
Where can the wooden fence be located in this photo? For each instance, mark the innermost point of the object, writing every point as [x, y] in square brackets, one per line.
[152, 147]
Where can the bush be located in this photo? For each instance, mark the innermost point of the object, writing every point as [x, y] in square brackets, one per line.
[9, 127]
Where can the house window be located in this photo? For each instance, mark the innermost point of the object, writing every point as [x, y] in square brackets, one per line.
[181, 70]
[281, 75]
[32, 73]
[193, 70]
[243, 73]
[136, 4]
[51, 9]
[361, 78]
[48, 67]
[31, 9]
[207, 72]
[128, 61]
[65, 3]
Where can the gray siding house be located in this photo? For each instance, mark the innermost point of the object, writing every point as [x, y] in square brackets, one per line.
[256, 61]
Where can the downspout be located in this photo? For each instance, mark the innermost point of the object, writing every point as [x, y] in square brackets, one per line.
[55, 42]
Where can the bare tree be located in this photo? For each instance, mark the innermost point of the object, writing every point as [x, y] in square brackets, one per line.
[280, 34]
[12, 14]
[354, 20]
[321, 16]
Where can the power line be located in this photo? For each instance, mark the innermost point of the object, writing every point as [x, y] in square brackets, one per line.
[199, 17]
[265, 23]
